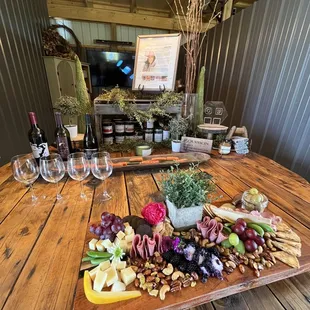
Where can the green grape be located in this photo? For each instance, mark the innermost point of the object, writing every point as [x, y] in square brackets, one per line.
[226, 243]
[253, 191]
[233, 239]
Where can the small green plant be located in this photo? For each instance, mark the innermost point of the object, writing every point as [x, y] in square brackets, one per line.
[187, 188]
[69, 106]
[178, 127]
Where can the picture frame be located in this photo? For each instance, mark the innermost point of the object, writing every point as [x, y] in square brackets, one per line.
[156, 62]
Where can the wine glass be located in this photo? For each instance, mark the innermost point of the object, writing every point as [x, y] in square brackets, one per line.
[101, 167]
[52, 169]
[78, 168]
[25, 170]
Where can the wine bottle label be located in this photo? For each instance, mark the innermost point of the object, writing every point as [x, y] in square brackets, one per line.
[63, 147]
[89, 152]
[39, 150]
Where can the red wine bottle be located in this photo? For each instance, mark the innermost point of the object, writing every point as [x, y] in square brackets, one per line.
[90, 139]
[37, 139]
[62, 136]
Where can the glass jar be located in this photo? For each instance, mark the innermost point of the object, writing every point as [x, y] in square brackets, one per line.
[119, 127]
[139, 134]
[166, 134]
[108, 139]
[119, 138]
[254, 200]
[107, 128]
[148, 135]
[129, 127]
[150, 124]
[158, 135]
[130, 136]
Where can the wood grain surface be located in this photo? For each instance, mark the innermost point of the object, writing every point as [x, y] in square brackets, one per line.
[42, 244]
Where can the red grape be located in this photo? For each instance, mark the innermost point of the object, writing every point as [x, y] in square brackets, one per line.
[259, 240]
[250, 245]
[98, 230]
[106, 223]
[238, 229]
[243, 236]
[92, 228]
[115, 228]
[102, 237]
[103, 215]
[118, 220]
[251, 233]
[241, 221]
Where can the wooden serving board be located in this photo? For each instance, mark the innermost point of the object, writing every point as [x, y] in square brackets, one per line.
[160, 161]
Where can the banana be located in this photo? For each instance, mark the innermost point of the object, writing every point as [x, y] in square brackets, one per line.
[257, 228]
[266, 227]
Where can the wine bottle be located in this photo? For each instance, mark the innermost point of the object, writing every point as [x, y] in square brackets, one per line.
[90, 139]
[37, 139]
[62, 136]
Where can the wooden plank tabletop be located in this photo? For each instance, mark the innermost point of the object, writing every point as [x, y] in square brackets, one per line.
[42, 244]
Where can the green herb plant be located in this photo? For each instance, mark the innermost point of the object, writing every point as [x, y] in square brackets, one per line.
[178, 127]
[187, 188]
[69, 106]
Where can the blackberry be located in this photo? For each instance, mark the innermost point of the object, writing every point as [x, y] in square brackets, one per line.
[183, 265]
[168, 255]
[176, 260]
[192, 267]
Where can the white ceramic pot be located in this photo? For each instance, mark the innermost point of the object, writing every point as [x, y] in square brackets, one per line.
[176, 146]
[73, 130]
[184, 218]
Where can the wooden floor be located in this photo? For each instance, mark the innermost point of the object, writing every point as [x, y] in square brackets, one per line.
[293, 293]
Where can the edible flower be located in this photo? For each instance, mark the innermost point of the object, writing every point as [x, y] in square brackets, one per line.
[178, 245]
[117, 253]
[154, 212]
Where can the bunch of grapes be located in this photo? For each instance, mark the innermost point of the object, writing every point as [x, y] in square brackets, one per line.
[108, 228]
[248, 235]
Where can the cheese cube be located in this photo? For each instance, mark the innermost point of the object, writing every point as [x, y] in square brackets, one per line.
[111, 276]
[116, 241]
[107, 243]
[129, 246]
[128, 275]
[121, 265]
[100, 246]
[126, 224]
[123, 245]
[120, 235]
[100, 280]
[93, 272]
[128, 230]
[92, 244]
[105, 265]
[130, 237]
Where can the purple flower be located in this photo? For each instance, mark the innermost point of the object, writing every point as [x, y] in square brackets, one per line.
[167, 243]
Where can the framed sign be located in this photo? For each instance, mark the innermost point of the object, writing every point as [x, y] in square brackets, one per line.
[189, 144]
[156, 62]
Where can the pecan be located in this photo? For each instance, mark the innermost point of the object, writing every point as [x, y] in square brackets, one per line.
[150, 279]
[137, 282]
[241, 268]
[175, 289]
[135, 268]
[147, 272]
[161, 275]
[228, 269]
[168, 278]
[163, 282]
[195, 275]
[140, 270]
[176, 283]
[159, 259]
[234, 259]
[186, 282]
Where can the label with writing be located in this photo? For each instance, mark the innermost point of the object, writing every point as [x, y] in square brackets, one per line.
[39, 150]
[90, 152]
[63, 147]
[189, 144]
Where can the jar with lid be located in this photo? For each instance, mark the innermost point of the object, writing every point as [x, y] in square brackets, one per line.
[129, 127]
[158, 135]
[166, 133]
[108, 139]
[150, 124]
[148, 135]
[139, 135]
[119, 127]
[130, 136]
[107, 128]
[119, 138]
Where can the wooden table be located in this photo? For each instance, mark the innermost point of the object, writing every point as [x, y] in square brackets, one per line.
[42, 244]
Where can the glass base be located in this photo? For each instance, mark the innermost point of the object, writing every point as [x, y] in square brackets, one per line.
[58, 197]
[105, 196]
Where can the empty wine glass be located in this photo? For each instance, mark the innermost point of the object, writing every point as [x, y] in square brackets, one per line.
[78, 168]
[25, 170]
[52, 169]
[101, 167]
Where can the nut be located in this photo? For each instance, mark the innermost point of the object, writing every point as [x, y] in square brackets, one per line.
[168, 278]
[241, 268]
[228, 270]
[268, 264]
[162, 293]
[187, 282]
[193, 284]
[176, 286]
[147, 272]
[150, 279]
[272, 258]
[157, 280]
[269, 244]
[204, 242]
[163, 282]
[176, 275]
[195, 275]
[156, 254]
[218, 219]
[260, 266]
[210, 245]
[154, 273]
[140, 275]
[161, 275]
[134, 268]
[154, 293]
[168, 270]
[151, 266]
[260, 249]
[257, 260]
[159, 259]
[137, 282]
[175, 289]
[257, 273]
[176, 233]
[230, 264]
[246, 261]
[249, 255]
[274, 250]
[255, 266]
[267, 235]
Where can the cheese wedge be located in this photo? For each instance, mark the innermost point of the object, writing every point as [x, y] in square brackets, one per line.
[100, 279]
[128, 230]
[117, 241]
[123, 245]
[99, 246]
[118, 286]
[105, 265]
[92, 244]
[128, 275]
[287, 259]
[126, 224]
[93, 272]
[121, 265]
[120, 235]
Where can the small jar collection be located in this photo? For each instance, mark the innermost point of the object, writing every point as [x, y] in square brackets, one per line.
[117, 130]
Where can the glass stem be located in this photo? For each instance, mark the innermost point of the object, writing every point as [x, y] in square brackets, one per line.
[33, 196]
[103, 187]
[82, 189]
[58, 196]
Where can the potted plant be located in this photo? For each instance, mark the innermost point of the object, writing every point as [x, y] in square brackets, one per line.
[70, 107]
[178, 127]
[186, 192]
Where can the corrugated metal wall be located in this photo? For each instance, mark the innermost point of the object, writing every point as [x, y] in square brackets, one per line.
[258, 64]
[23, 84]
[87, 32]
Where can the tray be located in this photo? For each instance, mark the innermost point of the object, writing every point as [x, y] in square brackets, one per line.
[139, 162]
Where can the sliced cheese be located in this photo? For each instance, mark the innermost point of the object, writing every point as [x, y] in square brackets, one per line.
[107, 243]
[120, 235]
[121, 265]
[128, 230]
[99, 246]
[130, 237]
[93, 272]
[92, 244]
[128, 275]
[100, 280]
[105, 265]
[126, 224]
[123, 245]
[111, 276]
